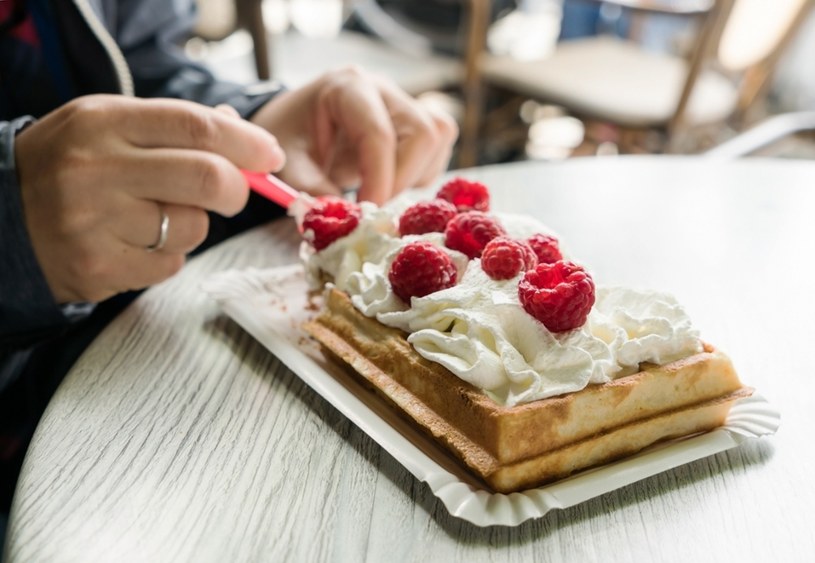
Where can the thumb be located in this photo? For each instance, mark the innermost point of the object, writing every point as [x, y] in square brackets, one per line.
[303, 173]
[229, 111]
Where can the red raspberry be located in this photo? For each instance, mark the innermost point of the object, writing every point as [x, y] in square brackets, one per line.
[503, 258]
[329, 219]
[421, 268]
[466, 195]
[546, 248]
[426, 217]
[470, 231]
[560, 295]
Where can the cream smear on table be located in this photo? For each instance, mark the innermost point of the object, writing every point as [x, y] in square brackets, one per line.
[478, 330]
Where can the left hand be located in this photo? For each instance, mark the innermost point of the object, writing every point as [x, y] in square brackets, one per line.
[349, 128]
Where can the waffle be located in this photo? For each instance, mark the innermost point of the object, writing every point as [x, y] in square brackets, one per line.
[516, 448]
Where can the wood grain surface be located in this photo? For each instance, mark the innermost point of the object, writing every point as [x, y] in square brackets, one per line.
[177, 437]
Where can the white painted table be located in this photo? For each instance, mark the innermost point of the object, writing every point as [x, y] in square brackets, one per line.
[177, 437]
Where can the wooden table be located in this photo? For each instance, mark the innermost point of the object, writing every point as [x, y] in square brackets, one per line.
[177, 437]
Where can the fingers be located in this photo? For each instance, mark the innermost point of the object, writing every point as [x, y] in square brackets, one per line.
[93, 276]
[447, 129]
[420, 141]
[376, 168]
[397, 142]
[310, 177]
[168, 150]
[163, 123]
[182, 177]
[187, 228]
[140, 228]
[352, 104]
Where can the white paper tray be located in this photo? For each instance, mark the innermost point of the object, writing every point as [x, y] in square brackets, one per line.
[272, 305]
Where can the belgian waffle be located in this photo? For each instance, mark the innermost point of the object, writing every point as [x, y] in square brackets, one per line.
[520, 447]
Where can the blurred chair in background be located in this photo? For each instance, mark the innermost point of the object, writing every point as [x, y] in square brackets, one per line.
[295, 41]
[249, 14]
[368, 36]
[760, 138]
[616, 92]
[419, 46]
[648, 102]
[218, 19]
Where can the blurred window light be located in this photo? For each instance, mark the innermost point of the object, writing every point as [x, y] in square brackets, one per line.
[554, 138]
[754, 29]
[528, 33]
[276, 15]
[317, 18]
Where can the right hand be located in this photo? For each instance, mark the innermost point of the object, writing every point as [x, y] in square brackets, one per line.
[351, 128]
[95, 173]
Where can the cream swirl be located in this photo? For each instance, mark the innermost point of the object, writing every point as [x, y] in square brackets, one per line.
[478, 330]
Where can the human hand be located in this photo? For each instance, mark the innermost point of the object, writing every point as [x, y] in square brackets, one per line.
[349, 128]
[96, 174]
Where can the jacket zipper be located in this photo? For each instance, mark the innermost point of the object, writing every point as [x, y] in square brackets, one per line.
[109, 44]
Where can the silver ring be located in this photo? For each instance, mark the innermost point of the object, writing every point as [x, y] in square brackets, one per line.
[163, 229]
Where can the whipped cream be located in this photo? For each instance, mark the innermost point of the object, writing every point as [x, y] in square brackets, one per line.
[478, 330]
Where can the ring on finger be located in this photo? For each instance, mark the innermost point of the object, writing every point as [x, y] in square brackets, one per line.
[163, 230]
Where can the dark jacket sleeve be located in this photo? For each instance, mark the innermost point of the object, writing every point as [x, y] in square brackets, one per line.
[27, 307]
[28, 312]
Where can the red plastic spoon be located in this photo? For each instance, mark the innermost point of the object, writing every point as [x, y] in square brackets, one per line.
[271, 188]
[297, 203]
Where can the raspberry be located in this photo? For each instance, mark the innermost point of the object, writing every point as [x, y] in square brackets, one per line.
[560, 295]
[470, 231]
[426, 217]
[503, 258]
[329, 219]
[546, 248]
[421, 268]
[466, 195]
